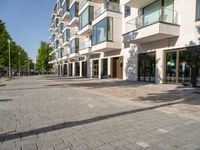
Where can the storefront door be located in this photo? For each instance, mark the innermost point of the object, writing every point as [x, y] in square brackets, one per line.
[84, 69]
[146, 67]
[95, 68]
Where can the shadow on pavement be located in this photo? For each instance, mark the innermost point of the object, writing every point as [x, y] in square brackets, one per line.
[188, 95]
[7, 137]
[5, 100]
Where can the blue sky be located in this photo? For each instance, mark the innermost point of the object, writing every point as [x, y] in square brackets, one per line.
[27, 21]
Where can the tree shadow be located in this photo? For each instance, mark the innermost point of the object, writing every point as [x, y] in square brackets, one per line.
[187, 95]
[109, 83]
[12, 136]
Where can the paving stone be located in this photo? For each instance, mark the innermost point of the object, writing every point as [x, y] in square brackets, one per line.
[64, 117]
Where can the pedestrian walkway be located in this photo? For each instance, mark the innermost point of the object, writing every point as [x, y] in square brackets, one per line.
[37, 113]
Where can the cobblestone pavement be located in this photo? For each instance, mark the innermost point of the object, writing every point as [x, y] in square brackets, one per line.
[36, 113]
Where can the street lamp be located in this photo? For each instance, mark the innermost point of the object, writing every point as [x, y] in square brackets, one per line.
[28, 67]
[9, 57]
[19, 64]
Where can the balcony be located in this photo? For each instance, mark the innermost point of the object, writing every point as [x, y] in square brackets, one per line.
[109, 6]
[86, 31]
[73, 34]
[51, 29]
[159, 26]
[74, 21]
[137, 3]
[85, 21]
[65, 12]
[60, 11]
[85, 48]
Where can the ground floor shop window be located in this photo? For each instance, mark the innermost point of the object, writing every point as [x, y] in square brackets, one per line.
[95, 68]
[105, 68]
[65, 69]
[183, 66]
[146, 67]
[70, 69]
[77, 68]
[84, 69]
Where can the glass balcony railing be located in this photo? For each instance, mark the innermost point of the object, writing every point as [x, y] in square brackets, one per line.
[109, 6]
[85, 45]
[162, 15]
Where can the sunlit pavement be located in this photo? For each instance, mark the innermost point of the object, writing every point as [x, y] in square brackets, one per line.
[36, 113]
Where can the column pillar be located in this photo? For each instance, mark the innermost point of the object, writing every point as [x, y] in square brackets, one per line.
[81, 67]
[73, 69]
[109, 67]
[100, 68]
[67, 69]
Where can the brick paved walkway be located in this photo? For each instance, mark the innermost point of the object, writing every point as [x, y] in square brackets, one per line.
[36, 113]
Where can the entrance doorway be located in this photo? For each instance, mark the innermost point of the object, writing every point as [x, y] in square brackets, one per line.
[84, 69]
[70, 69]
[183, 66]
[65, 69]
[105, 68]
[77, 69]
[198, 71]
[146, 67]
[95, 68]
[117, 67]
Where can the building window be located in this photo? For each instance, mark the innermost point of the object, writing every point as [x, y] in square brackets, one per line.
[65, 7]
[198, 10]
[103, 31]
[127, 11]
[74, 46]
[74, 10]
[86, 17]
[66, 35]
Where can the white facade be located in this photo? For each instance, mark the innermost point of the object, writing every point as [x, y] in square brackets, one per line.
[151, 26]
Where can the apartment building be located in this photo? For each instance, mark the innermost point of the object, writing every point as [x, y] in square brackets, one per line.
[148, 40]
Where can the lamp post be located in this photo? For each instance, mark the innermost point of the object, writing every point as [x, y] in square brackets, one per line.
[28, 67]
[19, 64]
[9, 58]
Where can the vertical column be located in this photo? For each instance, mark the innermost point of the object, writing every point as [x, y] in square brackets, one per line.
[67, 69]
[81, 67]
[89, 67]
[159, 66]
[109, 67]
[73, 69]
[100, 68]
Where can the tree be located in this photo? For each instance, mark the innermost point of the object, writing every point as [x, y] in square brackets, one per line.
[43, 57]
[16, 51]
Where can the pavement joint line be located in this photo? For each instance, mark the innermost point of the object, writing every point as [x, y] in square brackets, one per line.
[143, 144]
[162, 131]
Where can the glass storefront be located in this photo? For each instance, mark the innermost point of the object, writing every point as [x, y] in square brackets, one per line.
[147, 65]
[171, 67]
[95, 68]
[183, 66]
[105, 68]
[77, 69]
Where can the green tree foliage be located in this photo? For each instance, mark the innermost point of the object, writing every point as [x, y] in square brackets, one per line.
[16, 51]
[43, 57]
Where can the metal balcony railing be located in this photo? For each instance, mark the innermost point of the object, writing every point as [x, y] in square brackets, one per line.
[163, 15]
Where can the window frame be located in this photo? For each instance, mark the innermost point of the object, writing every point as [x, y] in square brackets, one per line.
[106, 28]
